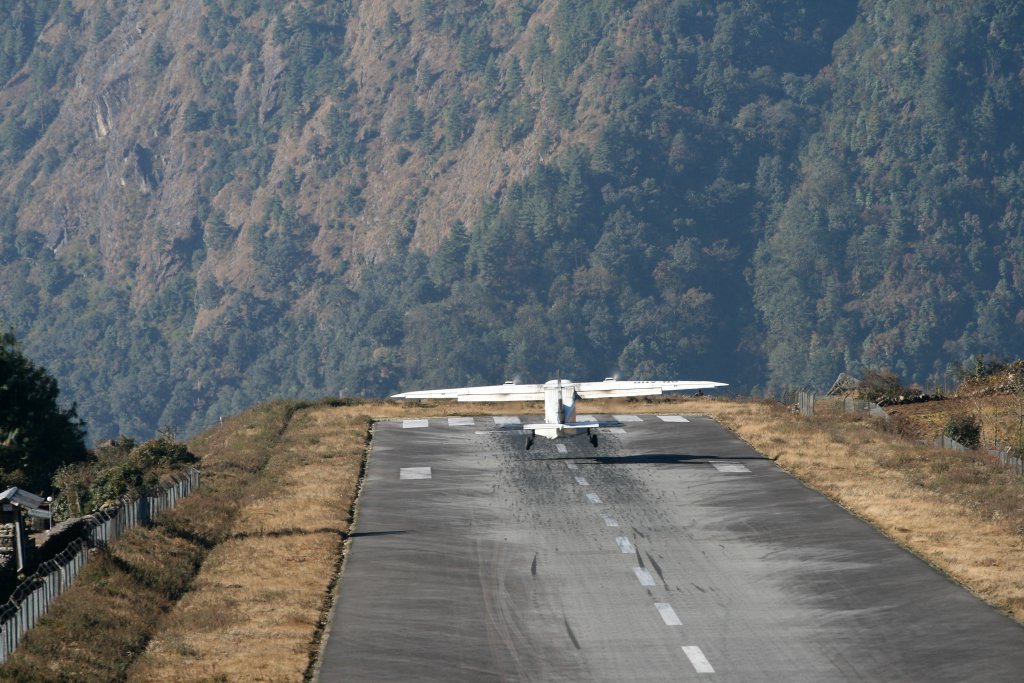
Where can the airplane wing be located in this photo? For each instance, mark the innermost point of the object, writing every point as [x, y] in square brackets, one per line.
[612, 388]
[498, 392]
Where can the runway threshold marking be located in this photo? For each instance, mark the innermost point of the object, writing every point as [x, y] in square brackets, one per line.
[697, 659]
[415, 424]
[668, 615]
[506, 420]
[414, 473]
[643, 576]
[609, 520]
[586, 418]
[625, 545]
[582, 481]
[594, 498]
[461, 422]
[572, 466]
[628, 418]
[560, 447]
[730, 467]
[616, 430]
[672, 418]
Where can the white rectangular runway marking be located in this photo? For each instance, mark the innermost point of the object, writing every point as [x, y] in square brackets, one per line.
[507, 420]
[672, 418]
[572, 465]
[461, 422]
[668, 615]
[625, 545]
[730, 467]
[609, 520]
[560, 447]
[628, 418]
[616, 430]
[643, 576]
[594, 498]
[415, 424]
[414, 473]
[697, 658]
[582, 482]
[586, 418]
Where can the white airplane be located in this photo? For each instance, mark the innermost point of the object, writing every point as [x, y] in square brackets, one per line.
[559, 398]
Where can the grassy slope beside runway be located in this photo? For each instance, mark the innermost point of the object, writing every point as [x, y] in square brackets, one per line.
[260, 550]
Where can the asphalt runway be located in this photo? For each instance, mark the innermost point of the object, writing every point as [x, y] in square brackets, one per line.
[672, 552]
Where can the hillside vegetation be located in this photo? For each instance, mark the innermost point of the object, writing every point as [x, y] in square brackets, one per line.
[208, 203]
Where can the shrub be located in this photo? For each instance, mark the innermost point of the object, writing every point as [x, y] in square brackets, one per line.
[879, 386]
[965, 429]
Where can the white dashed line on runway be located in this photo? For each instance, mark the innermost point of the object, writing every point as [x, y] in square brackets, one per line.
[672, 418]
[560, 447]
[697, 658]
[625, 545]
[643, 576]
[507, 420]
[586, 418]
[616, 430]
[628, 418]
[582, 482]
[461, 422]
[668, 615]
[572, 466]
[415, 424]
[594, 498]
[414, 473]
[730, 467]
[609, 520]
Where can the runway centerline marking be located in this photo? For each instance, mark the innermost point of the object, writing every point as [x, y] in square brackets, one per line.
[730, 467]
[697, 658]
[625, 545]
[668, 615]
[609, 520]
[628, 418]
[672, 418]
[414, 473]
[582, 482]
[643, 576]
[594, 498]
[415, 424]
[560, 447]
[461, 422]
[506, 420]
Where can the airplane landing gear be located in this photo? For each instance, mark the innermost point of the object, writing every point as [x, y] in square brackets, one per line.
[529, 440]
[593, 437]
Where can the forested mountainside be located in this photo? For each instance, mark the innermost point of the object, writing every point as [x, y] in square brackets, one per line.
[209, 203]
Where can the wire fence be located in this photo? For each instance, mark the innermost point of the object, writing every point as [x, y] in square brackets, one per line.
[32, 598]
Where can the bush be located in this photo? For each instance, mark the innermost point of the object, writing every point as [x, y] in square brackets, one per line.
[115, 469]
[965, 429]
[879, 386]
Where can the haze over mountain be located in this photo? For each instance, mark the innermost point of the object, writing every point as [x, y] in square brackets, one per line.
[209, 203]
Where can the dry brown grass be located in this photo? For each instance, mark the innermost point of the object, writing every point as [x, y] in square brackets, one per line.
[256, 605]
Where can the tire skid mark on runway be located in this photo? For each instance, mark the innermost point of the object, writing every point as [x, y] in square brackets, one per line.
[572, 635]
[657, 568]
